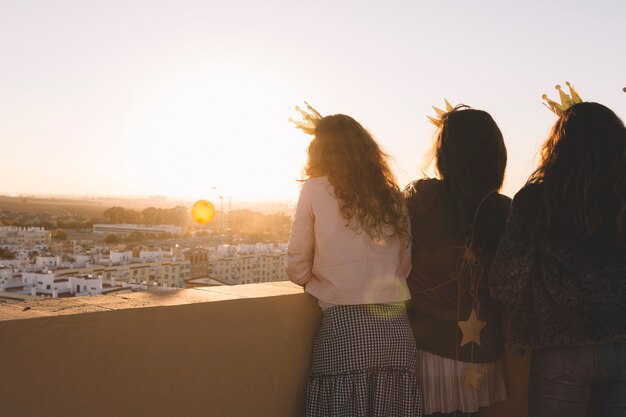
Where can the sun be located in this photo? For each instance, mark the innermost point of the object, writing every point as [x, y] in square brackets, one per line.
[203, 212]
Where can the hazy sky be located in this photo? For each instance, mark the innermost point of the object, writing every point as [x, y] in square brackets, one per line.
[143, 97]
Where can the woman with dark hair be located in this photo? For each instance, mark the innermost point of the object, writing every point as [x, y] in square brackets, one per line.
[349, 248]
[562, 266]
[456, 223]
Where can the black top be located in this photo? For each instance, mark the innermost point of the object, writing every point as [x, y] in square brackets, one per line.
[440, 286]
[563, 293]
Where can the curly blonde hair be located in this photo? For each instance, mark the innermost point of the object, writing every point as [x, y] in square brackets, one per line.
[364, 184]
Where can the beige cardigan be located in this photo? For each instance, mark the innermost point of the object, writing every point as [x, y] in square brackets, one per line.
[336, 264]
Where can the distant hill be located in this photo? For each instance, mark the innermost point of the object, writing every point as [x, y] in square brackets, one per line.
[287, 208]
[95, 206]
[59, 206]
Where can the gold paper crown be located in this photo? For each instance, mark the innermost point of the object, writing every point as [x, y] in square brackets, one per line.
[438, 121]
[567, 101]
[310, 119]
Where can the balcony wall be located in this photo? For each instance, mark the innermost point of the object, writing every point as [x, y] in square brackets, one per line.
[215, 351]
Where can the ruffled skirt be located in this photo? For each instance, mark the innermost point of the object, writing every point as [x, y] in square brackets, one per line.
[364, 361]
[445, 388]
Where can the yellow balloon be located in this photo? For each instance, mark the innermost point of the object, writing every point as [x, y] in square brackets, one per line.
[203, 211]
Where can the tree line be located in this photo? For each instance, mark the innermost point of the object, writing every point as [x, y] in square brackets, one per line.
[239, 225]
[46, 219]
[149, 216]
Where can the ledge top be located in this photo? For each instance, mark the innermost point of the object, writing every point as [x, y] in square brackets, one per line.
[102, 303]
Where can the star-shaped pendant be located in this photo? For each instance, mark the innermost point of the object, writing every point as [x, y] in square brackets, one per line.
[471, 328]
[472, 376]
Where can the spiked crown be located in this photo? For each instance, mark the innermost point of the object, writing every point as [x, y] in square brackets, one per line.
[438, 120]
[567, 101]
[310, 119]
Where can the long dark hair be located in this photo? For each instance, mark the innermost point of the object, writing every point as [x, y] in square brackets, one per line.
[357, 168]
[470, 158]
[583, 172]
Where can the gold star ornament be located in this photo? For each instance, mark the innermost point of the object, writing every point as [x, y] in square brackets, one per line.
[471, 328]
[472, 376]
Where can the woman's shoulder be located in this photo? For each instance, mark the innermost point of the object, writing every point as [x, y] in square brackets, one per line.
[422, 188]
[496, 207]
[504, 199]
[422, 195]
[501, 204]
[527, 209]
[318, 190]
[529, 197]
[315, 183]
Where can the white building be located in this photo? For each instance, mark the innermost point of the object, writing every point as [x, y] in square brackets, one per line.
[85, 285]
[247, 264]
[165, 274]
[225, 250]
[24, 236]
[126, 229]
[50, 284]
[16, 264]
[6, 277]
[121, 257]
[82, 260]
[245, 249]
[47, 262]
[146, 255]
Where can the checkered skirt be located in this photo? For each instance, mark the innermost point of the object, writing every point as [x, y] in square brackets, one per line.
[364, 361]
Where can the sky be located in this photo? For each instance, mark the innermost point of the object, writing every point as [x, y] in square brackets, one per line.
[191, 98]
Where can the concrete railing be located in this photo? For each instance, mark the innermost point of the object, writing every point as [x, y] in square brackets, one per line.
[217, 351]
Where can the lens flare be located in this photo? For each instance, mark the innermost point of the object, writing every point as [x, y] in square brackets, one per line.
[203, 211]
[384, 284]
[385, 312]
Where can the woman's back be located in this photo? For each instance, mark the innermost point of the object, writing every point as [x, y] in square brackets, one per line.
[561, 264]
[562, 259]
[349, 248]
[443, 265]
[456, 221]
[349, 266]
[563, 292]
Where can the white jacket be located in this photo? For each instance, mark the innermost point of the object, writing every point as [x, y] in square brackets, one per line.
[336, 264]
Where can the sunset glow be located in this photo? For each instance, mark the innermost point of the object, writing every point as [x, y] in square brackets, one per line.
[133, 98]
[225, 130]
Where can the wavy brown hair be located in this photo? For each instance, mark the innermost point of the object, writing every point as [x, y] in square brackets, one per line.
[583, 176]
[357, 168]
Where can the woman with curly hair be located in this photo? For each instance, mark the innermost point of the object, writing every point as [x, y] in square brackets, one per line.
[349, 248]
[561, 265]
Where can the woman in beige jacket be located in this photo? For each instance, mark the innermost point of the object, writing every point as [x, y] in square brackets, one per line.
[349, 247]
